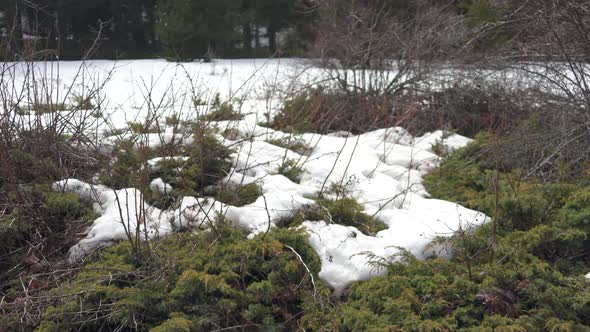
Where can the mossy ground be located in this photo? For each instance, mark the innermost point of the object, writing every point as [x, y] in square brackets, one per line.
[237, 195]
[208, 160]
[529, 278]
[343, 211]
[291, 169]
[191, 282]
[292, 144]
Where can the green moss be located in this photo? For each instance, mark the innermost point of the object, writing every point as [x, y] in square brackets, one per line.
[291, 169]
[67, 206]
[49, 220]
[194, 282]
[176, 324]
[347, 211]
[440, 295]
[208, 162]
[238, 195]
[123, 172]
[291, 144]
[532, 278]
[312, 212]
[343, 211]
[29, 167]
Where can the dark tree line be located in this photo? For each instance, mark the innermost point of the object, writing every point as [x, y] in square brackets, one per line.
[177, 29]
[71, 28]
[191, 29]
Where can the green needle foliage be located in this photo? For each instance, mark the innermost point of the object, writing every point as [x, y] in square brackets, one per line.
[193, 282]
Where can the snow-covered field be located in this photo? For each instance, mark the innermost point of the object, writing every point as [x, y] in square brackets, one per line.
[382, 169]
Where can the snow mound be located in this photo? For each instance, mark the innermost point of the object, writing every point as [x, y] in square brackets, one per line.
[123, 214]
[382, 170]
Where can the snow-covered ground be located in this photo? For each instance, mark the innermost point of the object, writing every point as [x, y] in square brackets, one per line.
[382, 169]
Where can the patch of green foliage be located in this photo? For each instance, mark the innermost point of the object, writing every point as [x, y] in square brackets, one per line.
[123, 172]
[20, 110]
[343, 211]
[173, 120]
[31, 166]
[531, 279]
[221, 111]
[238, 195]
[439, 147]
[208, 162]
[45, 221]
[67, 206]
[555, 210]
[291, 169]
[439, 295]
[291, 144]
[347, 211]
[40, 108]
[192, 282]
[142, 128]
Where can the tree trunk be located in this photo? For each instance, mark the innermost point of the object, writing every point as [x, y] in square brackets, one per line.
[257, 36]
[272, 38]
[247, 36]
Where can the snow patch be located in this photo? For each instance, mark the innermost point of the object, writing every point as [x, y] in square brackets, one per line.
[382, 169]
[159, 186]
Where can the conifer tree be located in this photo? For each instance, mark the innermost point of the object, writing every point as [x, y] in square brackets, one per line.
[197, 28]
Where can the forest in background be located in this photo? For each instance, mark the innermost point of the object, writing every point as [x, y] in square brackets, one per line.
[199, 29]
[178, 29]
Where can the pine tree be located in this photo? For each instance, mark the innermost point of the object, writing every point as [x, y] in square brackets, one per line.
[275, 15]
[11, 34]
[198, 28]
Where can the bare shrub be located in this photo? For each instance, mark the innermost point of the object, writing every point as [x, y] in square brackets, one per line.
[385, 47]
[323, 110]
[43, 138]
[552, 53]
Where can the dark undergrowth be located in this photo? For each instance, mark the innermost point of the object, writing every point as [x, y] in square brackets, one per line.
[464, 108]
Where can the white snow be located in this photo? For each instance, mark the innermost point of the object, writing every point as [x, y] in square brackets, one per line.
[123, 213]
[154, 163]
[381, 169]
[159, 186]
